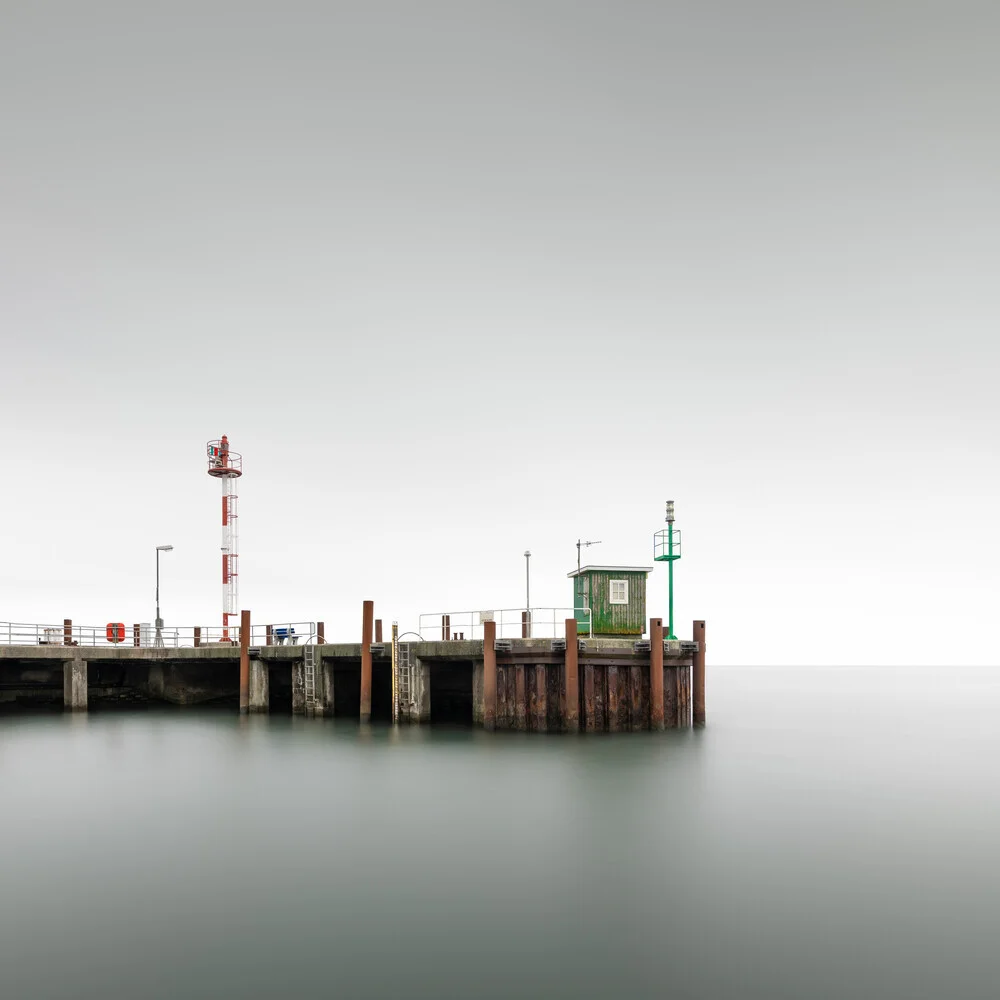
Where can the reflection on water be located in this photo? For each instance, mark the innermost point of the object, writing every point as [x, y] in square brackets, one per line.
[833, 833]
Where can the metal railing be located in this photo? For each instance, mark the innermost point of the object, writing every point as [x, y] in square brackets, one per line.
[143, 635]
[544, 623]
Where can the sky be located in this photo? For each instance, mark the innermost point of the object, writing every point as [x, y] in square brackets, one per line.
[465, 279]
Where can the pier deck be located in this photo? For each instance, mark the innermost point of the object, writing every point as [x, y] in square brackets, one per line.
[525, 684]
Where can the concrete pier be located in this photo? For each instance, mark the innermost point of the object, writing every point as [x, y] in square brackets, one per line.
[259, 694]
[530, 685]
[75, 684]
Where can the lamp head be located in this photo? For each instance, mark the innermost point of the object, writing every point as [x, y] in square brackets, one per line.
[670, 512]
[164, 548]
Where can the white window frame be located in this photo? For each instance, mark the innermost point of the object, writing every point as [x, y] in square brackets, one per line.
[612, 584]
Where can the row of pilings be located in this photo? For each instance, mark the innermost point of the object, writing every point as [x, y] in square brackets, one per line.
[571, 682]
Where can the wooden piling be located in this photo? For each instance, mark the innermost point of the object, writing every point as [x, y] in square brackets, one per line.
[612, 700]
[524, 624]
[698, 678]
[197, 636]
[683, 696]
[589, 706]
[67, 631]
[378, 629]
[541, 699]
[571, 719]
[244, 662]
[520, 699]
[445, 628]
[268, 635]
[367, 615]
[656, 673]
[137, 636]
[489, 676]
[320, 633]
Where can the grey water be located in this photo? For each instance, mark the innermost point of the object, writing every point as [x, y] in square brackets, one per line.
[833, 833]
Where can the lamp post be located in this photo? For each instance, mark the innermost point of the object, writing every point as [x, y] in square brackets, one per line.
[527, 587]
[158, 640]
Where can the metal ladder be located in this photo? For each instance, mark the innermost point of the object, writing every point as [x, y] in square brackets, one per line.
[404, 675]
[309, 677]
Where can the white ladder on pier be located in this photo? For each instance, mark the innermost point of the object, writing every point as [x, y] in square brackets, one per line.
[309, 677]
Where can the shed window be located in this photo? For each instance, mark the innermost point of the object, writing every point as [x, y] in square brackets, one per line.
[619, 591]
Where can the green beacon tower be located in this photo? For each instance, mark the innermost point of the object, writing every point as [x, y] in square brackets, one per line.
[667, 548]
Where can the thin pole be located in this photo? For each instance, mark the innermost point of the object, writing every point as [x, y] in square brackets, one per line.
[158, 637]
[527, 587]
[670, 580]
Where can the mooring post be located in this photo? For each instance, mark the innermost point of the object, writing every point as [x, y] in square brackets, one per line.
[244, 662]
[367, 616]
[656, 673]
[320, 633]
[698, 680]
[489, 675]
[378, 629]
[67, 631]
[136, 636]
[572, 682]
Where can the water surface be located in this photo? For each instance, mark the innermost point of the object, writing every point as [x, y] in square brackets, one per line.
[833, 833]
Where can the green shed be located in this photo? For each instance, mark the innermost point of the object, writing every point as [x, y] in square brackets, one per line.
[615, 597]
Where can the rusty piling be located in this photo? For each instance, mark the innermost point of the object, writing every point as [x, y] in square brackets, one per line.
[268, 635]
[378, 629]
[197, 636]
[489, 675]
[244, 662]
[698, 675]
[67, 631]
[320, 633]
[656, 673]
[572, 681]
[367, 615]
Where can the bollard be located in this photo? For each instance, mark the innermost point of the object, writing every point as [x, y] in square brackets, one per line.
[572, 681]
[489, 676]
[244, 662]
[656, 673]
[698, 672]
[367, 614]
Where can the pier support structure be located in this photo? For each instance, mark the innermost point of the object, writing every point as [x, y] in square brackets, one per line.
[489, 676]
[259, 695]
[571, 691]
[367, 617]
[75, 684]
[656, 707]
[244, 662]
[698, 675]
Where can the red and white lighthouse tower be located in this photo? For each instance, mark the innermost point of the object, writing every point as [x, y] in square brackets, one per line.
[227, 466]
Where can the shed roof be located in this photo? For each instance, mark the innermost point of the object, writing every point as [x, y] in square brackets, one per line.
[611, 569]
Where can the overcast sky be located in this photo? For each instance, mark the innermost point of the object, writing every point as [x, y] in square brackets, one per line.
[461, 279]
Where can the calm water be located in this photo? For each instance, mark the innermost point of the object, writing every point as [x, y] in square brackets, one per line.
[833, 833]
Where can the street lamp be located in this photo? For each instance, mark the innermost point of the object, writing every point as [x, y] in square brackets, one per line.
[158, 640]
[527, 587]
